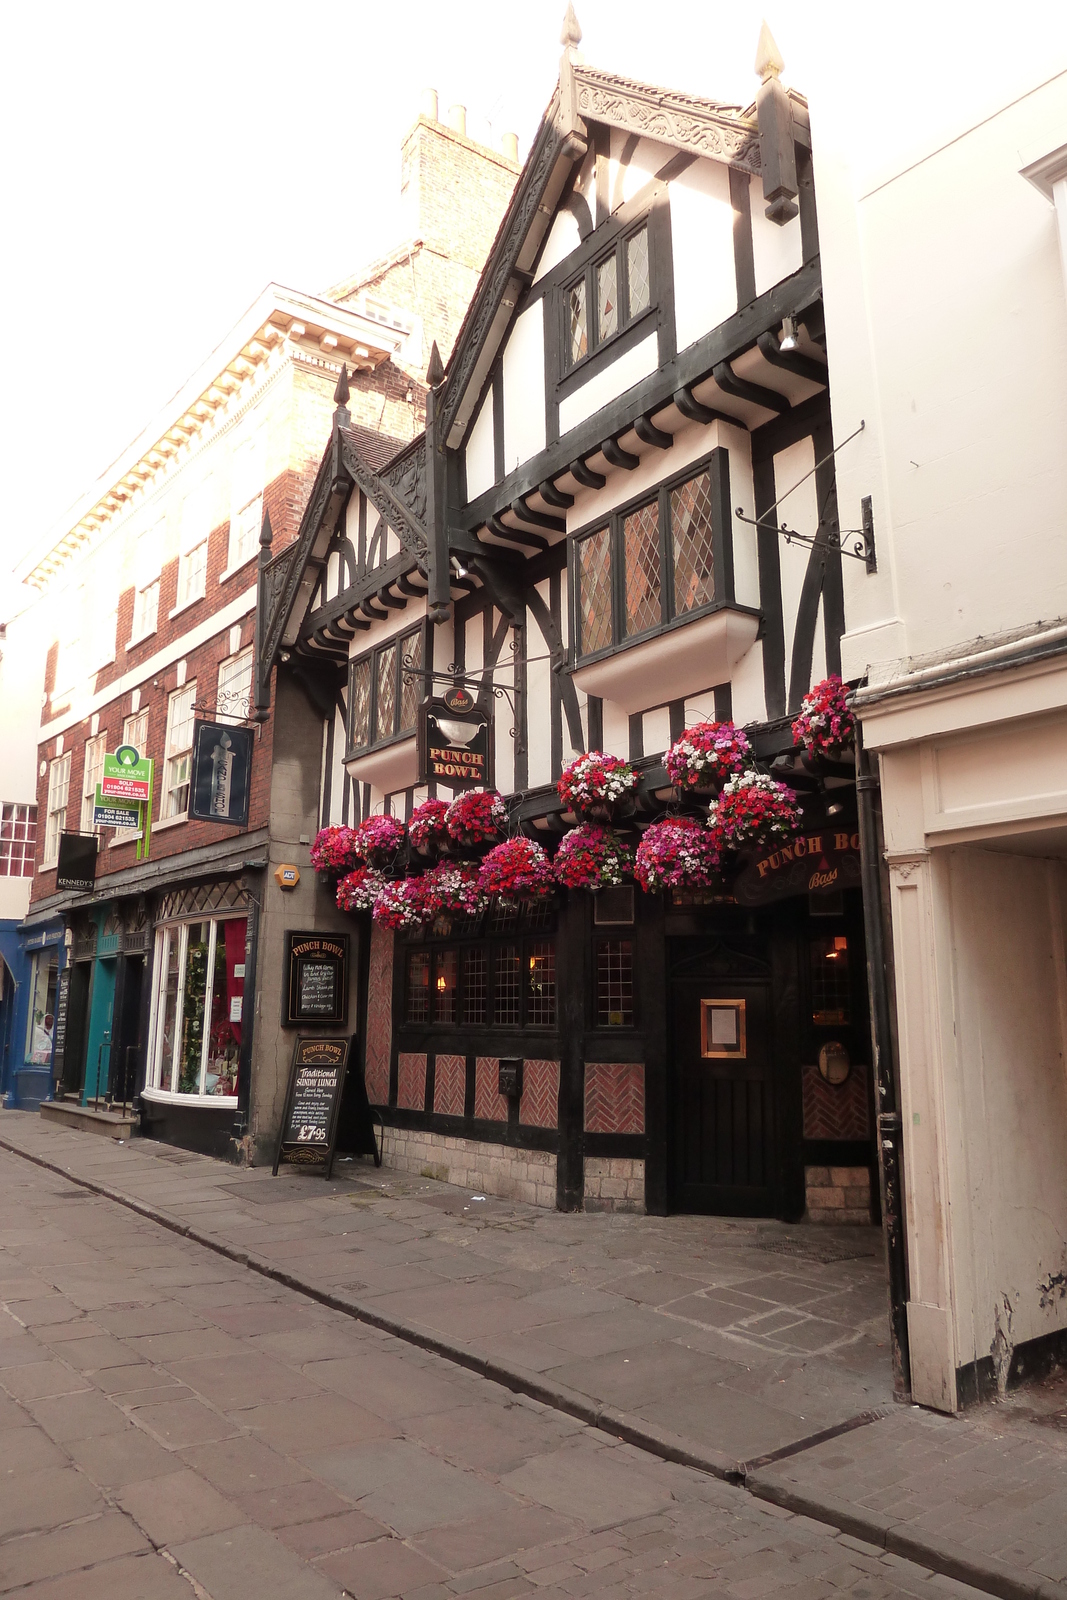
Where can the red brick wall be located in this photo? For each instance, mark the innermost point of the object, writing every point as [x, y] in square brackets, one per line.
[614, 1097]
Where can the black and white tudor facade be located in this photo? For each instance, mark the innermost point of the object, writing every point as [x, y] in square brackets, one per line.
[587, 538]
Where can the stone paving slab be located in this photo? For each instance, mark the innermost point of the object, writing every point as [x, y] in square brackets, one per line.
[736, 1383]
[434, 1483]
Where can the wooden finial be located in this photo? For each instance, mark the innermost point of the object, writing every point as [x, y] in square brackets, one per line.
[571, 34]
[769, 61]
[436, 370]
[341, 393]
[266, 535]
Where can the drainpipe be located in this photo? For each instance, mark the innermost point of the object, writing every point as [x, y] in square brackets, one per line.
[248, 1015]
[889, 1124]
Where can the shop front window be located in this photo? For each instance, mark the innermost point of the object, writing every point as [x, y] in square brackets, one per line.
[41, 1021]
[830, 981]
[493, 981]
[197, 1008]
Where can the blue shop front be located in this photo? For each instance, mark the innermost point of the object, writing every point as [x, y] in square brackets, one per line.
[33, 959]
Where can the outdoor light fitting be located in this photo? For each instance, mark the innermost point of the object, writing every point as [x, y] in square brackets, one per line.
[788, 340]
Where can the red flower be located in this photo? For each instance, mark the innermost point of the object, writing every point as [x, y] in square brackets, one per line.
[595, 779]
[476, 817]
[678, 852]
[592, 857]
[401, 903]
[334, 850]
[452, 886]
[518, 869]
[380, 836]
[754, 809]
[709, 753]
[359, 889]
[825, 723]
[427, 824]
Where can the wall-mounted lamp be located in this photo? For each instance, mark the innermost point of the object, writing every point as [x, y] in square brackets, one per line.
[788, 340]
[835, 810]
[458, 568]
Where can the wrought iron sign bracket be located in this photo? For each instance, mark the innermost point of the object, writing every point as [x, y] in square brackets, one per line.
[456, 677]
[855, 542]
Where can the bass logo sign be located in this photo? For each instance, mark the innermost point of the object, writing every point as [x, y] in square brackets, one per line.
[813, 863]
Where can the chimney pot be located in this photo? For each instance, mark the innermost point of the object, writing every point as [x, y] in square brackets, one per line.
[457, 119]
[510, 146]
[429, 104]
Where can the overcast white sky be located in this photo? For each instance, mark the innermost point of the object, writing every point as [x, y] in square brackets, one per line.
[161, 165]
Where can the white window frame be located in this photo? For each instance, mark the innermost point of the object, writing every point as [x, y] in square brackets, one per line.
[25, 816]
[192, 576]
[145, 612]
[246, 503]
[176, 751]
[58, 779]
[166, 934]
[92, 773]
[234, 670]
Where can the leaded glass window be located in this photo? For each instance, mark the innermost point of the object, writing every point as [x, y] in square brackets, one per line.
[385, 676]
[385, 688]
[607, 297]
[642, 569]
[692, 544]
[361, 703]
[613, 290]
[579, 329]
[594, 589]
[637, 271]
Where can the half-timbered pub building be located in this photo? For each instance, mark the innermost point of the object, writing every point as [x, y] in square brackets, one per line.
[586, 551]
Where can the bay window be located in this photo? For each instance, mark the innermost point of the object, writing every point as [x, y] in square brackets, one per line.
[385, 691]
[655, 563]
[197, 1006]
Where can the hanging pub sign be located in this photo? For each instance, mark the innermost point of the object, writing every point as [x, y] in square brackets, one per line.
[222, 774]
[316, 978]
[812, 863]
[455, 741]
[76, 868]
[309, 1125]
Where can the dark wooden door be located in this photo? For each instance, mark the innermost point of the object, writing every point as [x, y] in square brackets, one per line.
[723, 1148]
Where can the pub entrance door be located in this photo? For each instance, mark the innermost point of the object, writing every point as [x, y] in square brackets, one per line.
[723, 1153]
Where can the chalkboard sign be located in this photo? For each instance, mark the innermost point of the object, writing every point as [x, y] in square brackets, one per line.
[59, 1028]
[309, 1125]
[316, 987]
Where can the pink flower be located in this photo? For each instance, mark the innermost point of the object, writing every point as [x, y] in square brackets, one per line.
[427, 824]
[334, 850]
[825, 721]
[677, 852]
[476, 816]
[401, 903]
[708, 753]
[518, 869]
[754, 809]
[379, 835]
[595, 779]
[592, 857]
[453, 886]
[359, 889]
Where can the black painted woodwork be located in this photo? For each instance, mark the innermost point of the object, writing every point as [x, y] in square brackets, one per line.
[744, 261]
[616, 456]
[743, 389]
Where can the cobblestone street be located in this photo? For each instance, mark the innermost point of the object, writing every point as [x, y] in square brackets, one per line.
[173, 1422]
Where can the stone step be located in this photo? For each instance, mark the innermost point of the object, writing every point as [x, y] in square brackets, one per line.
[112, 1124]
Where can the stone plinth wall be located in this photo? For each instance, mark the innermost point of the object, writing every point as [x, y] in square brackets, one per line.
[527, 1175]
[838, 1194]
[613, 1183]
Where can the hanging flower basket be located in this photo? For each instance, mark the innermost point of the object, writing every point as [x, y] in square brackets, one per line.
[707, 756]
[754, 809]
[426, 828]
[592, 857]
[453, 887]
[678, 852]
[518, 869]
[378, 840]
[335, 851]
[477, 817]
[825, 725]
[401, 903]
[358, 890]
[597, 786]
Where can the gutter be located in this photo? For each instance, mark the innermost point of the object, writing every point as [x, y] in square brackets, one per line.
[999, 657]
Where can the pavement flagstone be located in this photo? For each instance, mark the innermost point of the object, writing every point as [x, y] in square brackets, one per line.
[243, 1421]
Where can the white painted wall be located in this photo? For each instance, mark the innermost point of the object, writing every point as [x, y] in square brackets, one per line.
[702, 220]
[481, 458]
[776, 250]
[524, 388]
[610, 382]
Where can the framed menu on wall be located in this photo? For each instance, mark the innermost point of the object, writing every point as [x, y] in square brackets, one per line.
[316, 979]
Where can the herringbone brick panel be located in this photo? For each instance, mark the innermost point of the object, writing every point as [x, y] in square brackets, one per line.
[539, 1106]
[489, 1104]
[449, 1085]
[411, 1081]
[379, 1015]
[614, 1097]
[835, 1110]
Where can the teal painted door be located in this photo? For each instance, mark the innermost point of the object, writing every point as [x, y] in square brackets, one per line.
[98, 1049]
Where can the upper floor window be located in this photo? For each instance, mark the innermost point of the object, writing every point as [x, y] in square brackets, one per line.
[384, 691]
[18, 840]
[147, 562]
[192, 574]
[198, 516]
[234, 687]
[653, 563]
[58, 790]
[246, 500]
[179, 751]
[92, 774]
[611, 293]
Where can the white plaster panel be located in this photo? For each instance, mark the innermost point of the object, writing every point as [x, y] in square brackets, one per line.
[563, 238]
[1014, 771]
[616, 730]
[524, 388]
[776, 252]
[481, 457]
[746, 686]
[746, 562]
[607, 384]
[656, 730]
[702, 245]
[538, 700]
[649, 157]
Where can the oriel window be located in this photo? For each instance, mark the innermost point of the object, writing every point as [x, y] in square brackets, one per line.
[384, 689]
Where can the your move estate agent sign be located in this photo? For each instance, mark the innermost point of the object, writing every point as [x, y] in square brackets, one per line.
[124, 795]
